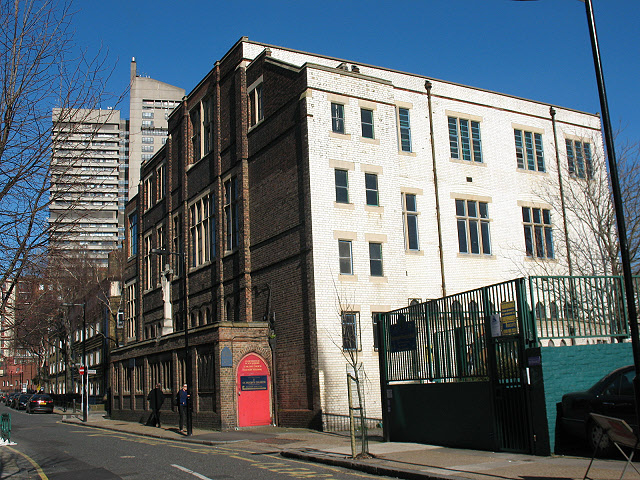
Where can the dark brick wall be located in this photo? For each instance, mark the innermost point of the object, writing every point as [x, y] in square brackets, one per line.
[273, 258]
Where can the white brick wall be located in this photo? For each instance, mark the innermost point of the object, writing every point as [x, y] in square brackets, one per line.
[411, 275]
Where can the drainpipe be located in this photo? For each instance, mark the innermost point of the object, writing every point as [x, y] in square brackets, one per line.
[552, 111]
[427, 86]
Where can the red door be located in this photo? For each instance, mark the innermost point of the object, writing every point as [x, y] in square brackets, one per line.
[253, 386]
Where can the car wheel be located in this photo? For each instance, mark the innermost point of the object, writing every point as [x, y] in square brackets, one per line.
[595, 434]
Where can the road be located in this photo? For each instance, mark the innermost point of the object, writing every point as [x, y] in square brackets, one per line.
[48, 449]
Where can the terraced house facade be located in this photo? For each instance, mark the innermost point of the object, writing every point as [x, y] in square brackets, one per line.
[297, 196]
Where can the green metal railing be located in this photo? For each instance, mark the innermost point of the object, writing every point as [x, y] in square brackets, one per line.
[444, 340]
[578, 307]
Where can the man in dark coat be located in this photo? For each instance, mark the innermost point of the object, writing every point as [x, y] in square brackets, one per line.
[182, 399]
[156, 398]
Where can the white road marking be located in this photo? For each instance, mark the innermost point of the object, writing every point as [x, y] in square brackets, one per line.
[195, 474]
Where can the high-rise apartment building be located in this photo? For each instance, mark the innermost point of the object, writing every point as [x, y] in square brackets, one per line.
[92, 152]
[85, 177]
[150, 103]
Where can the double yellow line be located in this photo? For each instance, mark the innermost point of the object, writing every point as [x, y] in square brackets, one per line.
[39, 470]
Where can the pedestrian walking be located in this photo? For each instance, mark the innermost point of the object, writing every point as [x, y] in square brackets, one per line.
[156, 398]
[182, 399]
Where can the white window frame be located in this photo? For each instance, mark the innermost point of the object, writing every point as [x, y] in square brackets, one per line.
[345, 258]
[201, 231]
[474, 225]
[255, 108]
[411, 216]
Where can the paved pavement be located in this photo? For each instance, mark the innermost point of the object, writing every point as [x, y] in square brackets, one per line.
[392, 459]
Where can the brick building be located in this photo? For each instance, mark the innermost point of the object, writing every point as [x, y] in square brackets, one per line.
[305, 194]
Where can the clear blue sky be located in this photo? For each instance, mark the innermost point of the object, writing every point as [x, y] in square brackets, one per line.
[537, 49]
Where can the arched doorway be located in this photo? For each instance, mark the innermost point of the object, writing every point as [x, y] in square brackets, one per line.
[253, 388]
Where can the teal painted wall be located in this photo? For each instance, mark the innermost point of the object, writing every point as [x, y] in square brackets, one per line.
[576, 368]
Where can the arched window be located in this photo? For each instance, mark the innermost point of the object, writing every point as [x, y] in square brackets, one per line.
[541, 312]
[553, 311]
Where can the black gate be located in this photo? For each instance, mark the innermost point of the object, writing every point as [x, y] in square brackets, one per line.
[510, 396]
[463, 356]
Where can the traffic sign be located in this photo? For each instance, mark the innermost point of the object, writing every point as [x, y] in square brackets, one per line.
[92, 371]
[81, 370]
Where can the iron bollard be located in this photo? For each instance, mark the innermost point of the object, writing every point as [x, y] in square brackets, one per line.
[5, 427]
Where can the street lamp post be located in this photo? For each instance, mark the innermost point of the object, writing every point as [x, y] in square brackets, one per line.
[85, 371]
[187, 351]
[617, 201]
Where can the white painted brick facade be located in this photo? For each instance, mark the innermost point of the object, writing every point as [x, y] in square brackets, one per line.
[409, 274]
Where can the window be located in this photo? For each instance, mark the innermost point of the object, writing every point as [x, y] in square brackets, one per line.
[207, 124]
[342, 186]
[349, 330]
[366, 119]
[231, 212]
[579, 159]
[148, 192]
[147, 148]
[404, 126]
[148, 272]
[195, 133]
[375, 259]
[410, 214]
[376, 326]
[147, 124]
[371, 189]
[130, 310]
[177, 244]
[161, 244]
[337, 117]
[346, 260]
[538, 232]
[473, 227]
[161, 178]
[201, 232]
[147, 139]
[133, 234]
[464, 139]
[256, 113]
[529, 150]
[147, 114]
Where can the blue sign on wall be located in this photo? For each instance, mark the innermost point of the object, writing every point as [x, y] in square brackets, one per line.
[226, 358]
[253, 382]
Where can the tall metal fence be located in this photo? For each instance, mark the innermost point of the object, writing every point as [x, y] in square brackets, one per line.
[444, 340]
[578, 307]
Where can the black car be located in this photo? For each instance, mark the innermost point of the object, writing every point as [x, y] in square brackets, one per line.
[611, 396]
[40, 402]
[21, 401]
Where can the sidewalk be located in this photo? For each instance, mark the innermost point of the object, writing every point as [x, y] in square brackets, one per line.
[401, 460]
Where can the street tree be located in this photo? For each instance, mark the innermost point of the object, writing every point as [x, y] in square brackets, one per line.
[41, 69]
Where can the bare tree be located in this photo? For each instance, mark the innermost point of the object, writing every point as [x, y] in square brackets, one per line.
[589, 246]
[356, 375]
[41, 69]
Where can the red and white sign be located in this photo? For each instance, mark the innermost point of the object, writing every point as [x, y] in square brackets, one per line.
[81, 370]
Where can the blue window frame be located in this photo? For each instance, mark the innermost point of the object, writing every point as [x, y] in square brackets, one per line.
[405, 129]
[464, 139]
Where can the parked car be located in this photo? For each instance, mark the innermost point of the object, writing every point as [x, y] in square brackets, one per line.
[611, 396]
[21, 401]
[40, 402]
[9, 400]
